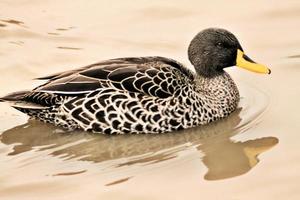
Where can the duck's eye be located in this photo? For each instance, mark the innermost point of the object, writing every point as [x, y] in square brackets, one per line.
[220, 44]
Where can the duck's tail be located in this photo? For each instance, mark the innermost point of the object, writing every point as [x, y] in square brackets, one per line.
[15, 96]
[18, 101]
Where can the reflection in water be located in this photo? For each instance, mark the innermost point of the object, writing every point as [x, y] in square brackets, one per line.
[51, 33]
[69, 173]
[226, 158]
[13, 21]
[65, 29]
[118, 181]
[223, 157]
[294, 56]
[20, 43]
[70, 48]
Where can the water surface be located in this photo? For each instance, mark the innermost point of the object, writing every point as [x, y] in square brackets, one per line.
[252, 154]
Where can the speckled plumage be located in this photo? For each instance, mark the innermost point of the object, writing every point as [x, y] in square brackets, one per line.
[130, 95]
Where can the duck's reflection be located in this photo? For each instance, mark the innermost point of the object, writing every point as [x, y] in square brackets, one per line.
[223, 157]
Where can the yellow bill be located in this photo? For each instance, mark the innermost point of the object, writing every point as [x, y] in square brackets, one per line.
[245, 62]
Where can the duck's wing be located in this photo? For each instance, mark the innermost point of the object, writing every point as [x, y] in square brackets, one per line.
[154, 76]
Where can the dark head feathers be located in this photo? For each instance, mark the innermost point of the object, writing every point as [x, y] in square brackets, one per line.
[213, 49]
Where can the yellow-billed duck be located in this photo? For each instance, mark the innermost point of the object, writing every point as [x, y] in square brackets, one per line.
[143, 94]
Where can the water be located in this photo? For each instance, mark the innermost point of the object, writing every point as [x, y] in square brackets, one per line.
[251, 154]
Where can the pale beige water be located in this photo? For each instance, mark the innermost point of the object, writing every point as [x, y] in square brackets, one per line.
[254, 154]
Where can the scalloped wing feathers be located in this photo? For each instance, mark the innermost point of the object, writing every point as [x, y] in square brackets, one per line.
[154, 76]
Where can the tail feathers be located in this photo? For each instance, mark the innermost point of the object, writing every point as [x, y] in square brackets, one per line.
[18, 101]
[28, 105]
[38, 99]
[15, 96]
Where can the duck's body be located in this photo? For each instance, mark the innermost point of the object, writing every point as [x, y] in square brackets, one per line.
[131, 95]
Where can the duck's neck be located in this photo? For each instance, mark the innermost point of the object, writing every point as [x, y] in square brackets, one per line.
[220, 89]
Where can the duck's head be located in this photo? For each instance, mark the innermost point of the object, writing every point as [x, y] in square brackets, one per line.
[214, 49]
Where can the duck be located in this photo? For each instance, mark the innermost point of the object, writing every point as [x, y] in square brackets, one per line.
[135, 95]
